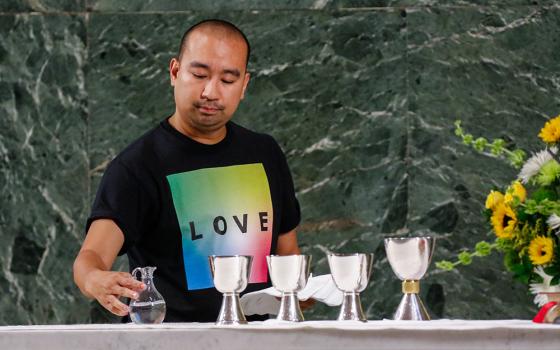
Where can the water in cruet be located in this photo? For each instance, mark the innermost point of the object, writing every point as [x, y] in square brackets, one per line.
[149, 307]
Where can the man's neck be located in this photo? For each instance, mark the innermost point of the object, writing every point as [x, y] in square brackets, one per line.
[207, 138]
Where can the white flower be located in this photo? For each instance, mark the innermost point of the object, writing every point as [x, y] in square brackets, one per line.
[553, 221]
[539, 288]
[533, 165]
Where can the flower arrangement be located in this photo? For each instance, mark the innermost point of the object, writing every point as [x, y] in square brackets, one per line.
[525, 217]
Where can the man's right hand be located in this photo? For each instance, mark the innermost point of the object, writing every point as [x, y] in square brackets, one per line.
[92, 268]
[107, 286]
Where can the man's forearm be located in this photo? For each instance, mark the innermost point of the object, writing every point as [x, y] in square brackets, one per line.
[86, 262]
[287, 244]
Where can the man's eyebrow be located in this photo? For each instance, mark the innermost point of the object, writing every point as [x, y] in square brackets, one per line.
[196, 64]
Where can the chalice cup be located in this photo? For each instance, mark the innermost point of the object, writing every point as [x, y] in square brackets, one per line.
[351, 273]
[289, 275]
[409, 259]
[230, 275]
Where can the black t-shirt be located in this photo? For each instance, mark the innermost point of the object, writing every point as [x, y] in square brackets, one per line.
[178, 201]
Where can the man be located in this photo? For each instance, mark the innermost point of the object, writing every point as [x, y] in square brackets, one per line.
[196, 185]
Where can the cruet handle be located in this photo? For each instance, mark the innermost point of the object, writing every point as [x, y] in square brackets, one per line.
[138, 269]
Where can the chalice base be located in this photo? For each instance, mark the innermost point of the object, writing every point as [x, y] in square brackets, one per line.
[411, 308]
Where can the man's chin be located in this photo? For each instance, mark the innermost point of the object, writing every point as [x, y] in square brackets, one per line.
[211, 123]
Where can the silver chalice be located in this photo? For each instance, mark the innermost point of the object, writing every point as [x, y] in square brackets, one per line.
[410, 258]
[350, 273]
[230, 275]
[289, 274]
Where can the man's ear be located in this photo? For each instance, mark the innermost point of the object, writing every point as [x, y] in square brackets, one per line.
[245, 84]
[173, 70]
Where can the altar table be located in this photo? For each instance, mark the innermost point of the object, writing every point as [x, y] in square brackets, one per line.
[271, 335]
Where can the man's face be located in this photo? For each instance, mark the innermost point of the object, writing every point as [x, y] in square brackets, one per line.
[210, 80]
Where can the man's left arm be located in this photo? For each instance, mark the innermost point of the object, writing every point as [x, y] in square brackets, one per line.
[287, 243]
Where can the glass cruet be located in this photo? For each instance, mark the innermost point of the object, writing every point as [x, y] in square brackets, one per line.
[149, 307]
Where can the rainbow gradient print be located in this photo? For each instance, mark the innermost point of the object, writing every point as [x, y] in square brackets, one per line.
[223, 211]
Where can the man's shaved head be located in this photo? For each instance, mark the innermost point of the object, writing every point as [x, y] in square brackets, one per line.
[218, 27]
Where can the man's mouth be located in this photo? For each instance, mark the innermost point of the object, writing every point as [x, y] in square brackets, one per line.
[208, 109]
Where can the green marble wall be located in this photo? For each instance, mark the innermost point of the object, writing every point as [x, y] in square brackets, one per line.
[360, 94]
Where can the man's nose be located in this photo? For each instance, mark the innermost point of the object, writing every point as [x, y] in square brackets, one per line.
[211, 90]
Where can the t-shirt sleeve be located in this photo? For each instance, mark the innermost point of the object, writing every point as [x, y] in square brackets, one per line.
[120, 198]
[291, 214]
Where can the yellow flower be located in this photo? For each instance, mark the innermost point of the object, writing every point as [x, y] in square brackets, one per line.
[515, 190]
[550, 133]
[541, 250]
[494, 199]
[503, 220]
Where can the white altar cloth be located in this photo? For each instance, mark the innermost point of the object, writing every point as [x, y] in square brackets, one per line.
[270, 335]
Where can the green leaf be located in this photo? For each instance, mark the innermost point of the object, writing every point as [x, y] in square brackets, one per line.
[521, 272]
[480, 143]
[465, 258]
[537, 279]
[445, 265]
[523, 278]
[551, 270]
[521, 268]
[531, 206]
[505, 246]
[518, 269]
[527, 264]
[555, 280]
[516, 158]
[544, 193]
[549, 172]
[497, 147]
[483, 248]
[458, 129]
[545, 207]
[522, 216]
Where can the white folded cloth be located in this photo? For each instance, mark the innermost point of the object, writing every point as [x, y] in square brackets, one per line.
[265, 301]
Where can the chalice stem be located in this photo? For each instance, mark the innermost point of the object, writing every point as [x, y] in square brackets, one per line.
[289, 308]
[230, 311]
[351, 308]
